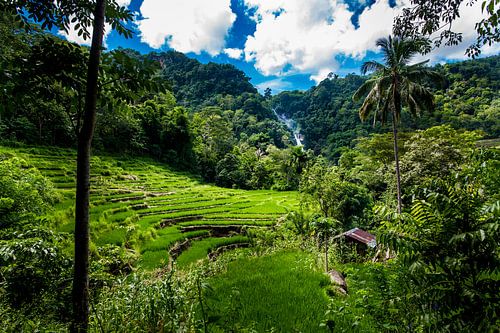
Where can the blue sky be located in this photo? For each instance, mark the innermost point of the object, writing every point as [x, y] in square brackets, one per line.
[281, 44]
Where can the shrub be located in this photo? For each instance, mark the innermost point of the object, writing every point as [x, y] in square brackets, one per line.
[24, 192]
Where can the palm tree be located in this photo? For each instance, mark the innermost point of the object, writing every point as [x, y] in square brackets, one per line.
[394, 84]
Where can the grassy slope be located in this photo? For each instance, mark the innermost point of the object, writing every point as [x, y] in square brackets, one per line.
[278, 291]
[199, 250]
[130, 198]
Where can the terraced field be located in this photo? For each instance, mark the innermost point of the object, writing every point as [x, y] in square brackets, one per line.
[148, 207]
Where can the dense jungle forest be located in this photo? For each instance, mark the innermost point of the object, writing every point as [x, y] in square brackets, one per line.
[151, 192]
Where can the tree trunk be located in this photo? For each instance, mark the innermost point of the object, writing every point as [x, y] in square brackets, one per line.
[396, 158]
[81, 278]
[326, 253]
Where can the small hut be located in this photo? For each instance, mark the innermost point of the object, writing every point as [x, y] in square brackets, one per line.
[359, 237]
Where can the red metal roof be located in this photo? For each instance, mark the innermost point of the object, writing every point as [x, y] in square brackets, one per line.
[360, 236]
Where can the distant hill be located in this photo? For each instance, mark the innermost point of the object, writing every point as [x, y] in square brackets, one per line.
[193, 82]
[328, 118]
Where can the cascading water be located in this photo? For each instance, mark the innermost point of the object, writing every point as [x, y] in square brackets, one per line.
[292, 126]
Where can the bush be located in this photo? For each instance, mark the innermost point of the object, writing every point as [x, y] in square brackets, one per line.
[142, 303]
[35, 272]
[24, 192]
[448, 248]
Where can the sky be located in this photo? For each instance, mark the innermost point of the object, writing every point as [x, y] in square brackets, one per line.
[280, 44]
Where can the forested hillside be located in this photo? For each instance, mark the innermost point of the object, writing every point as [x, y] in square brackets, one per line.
[328, 117]
[193, 82]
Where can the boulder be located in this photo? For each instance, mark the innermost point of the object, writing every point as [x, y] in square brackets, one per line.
[338, 279]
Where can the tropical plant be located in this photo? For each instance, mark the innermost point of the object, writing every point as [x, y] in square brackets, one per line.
[447, 246]
[393, 85]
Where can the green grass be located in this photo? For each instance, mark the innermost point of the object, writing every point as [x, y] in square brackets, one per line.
[138, 194]
[364, 309]
[168, 237]
[115, 237]
[199, 250]
[153, 259]
[227, 222]
[278, 292]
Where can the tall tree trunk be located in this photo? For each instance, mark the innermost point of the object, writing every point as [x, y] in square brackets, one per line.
[81, 268]
[326, 253]
[396, 158]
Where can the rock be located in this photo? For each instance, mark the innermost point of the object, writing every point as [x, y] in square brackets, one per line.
[338, 279]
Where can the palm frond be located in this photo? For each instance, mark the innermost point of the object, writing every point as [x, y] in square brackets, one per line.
[425, 74]
[369, 104]
[413, 106]
[384, 43]
[418, 64]
[406, 49]
[372, 66]
[386, 46]
[417, 97]
[364, 89]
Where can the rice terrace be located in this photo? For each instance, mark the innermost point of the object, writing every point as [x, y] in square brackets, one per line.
[249, 166]
[150, 207]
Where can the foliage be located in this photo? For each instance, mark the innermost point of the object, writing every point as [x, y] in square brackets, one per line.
[437, 152]
[368, 304]
[435, 18]
[193, 82]
[300, 222]
[337, 198]
[35, 272]
[448, 246]
[24, 193]
[64, 14]
[165, 129]
[50, 92]
[213, 139]
[34, 269]
[143, 303]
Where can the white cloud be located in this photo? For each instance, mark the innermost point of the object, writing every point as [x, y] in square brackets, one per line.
[186, 25]
[306, 36]
[277, 85]
[234, 53]
[72, 34]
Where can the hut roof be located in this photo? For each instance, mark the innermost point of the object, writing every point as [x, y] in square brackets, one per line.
[360, 236]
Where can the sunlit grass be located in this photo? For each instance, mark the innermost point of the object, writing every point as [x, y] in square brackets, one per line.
[282, 292]
[200, 249]
[140, 203]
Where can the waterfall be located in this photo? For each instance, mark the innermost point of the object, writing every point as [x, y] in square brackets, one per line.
[292, 126]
